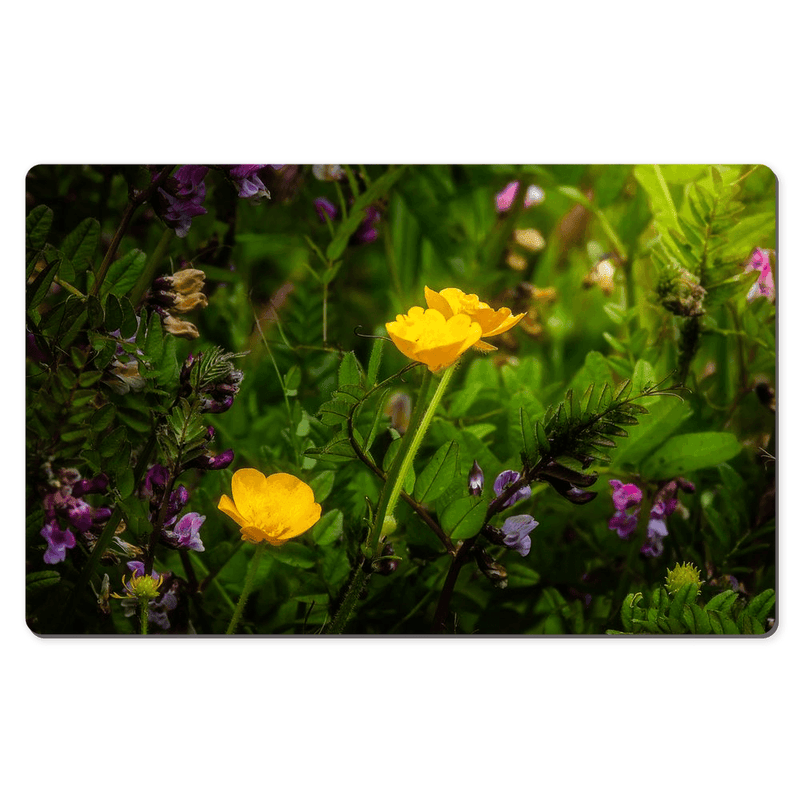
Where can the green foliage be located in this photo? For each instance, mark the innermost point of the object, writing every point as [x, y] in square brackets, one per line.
[294, 334]
[724, 614]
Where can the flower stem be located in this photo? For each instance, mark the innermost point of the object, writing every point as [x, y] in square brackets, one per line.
[144, 609]
[248, 585]
[408, 449]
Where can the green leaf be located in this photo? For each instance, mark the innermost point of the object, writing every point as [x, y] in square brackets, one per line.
[761, 605]
[438, 473]
[113, 314]
[294, 554]
[347, 228]
[723, 602]
[123, 273]
[696, 619]
[464, 518]
[329, 528]
[666, 416]
[37, 226]
[37, 291]
[350, 373]
[79, 245]
[652, 179]
[153, 343]
[334, 413]
[36, 581]
[107, 446]
[129, 322]
[291, 380]
[690, 451]
[321, 484]
[374, 365]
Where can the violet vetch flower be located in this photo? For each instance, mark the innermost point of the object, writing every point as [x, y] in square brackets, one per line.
[475, 481]
[367, 231]
[324, 207]
[504, 479]
[90, 485]
[190, 178]
[245, 179]
[80, 514]
[517, 533]
[627, 498]
[765, 283]
[186, 532]
[623, 523]
[212, 462]
[58, 542]
[625, 495]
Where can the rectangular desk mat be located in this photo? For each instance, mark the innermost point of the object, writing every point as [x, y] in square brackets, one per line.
[401, 400]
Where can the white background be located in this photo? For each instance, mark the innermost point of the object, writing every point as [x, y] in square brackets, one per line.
[613, 82]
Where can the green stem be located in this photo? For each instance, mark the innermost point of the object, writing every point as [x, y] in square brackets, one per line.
[248, 585]
[127, 216]
[416, 441]
[420, 420]
[143, 612]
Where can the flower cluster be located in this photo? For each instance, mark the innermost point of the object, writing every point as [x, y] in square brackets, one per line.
[627, 499]
[180, 293]
[765, 283]
[183, 533]
[452, 324]
[181, 198]
[516, 530]
[273, 509]
[65, 509]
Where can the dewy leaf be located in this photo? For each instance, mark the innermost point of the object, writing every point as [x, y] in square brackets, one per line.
[689, 452]
[438, 473]
[464, 518]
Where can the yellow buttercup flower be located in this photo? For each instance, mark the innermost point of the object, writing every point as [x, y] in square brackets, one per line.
[272, 509]
[428, 336]
[452, 302]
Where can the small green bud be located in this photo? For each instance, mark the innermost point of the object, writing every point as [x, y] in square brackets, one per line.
[680, 575]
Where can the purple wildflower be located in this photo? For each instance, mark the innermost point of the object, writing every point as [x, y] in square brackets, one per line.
[623, 523]
[80, 514]
[367, 231]
[765, 283]
[324, 207]
[625, 495]
[186, 532]
[504, 479]
[58, 542]
[475, 480]
[247, 182]
[90, 486]
[505, 199]
[190, 179]
[627, 498]
[516, 533]
[178, 213]
[137, 569]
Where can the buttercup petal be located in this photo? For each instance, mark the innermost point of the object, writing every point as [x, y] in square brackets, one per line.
[227, 506]
[249, 488]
